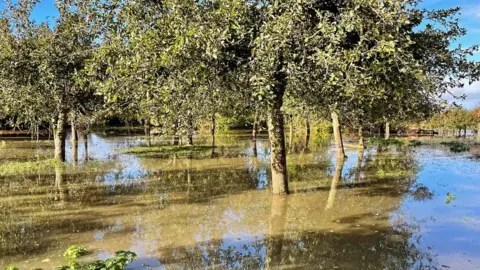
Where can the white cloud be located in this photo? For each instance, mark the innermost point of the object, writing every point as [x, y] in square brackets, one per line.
[471, 91]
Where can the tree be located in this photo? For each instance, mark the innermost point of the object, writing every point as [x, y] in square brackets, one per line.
[40, 63]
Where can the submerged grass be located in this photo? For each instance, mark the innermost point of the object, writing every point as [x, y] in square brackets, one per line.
[48, 166]
[16, 168]
[165, 150]
[415, 143]
[456, 147]
[385, 142]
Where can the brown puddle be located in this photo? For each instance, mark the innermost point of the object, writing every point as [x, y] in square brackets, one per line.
[378, 210]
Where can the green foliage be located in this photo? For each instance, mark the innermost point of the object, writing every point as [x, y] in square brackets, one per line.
[3, 144]
[414, 143]
[12, 268]
[75, 251]
[385, 142]
[456, 147]
[118, 262]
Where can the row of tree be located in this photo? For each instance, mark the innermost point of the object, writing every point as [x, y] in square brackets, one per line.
[174, 63]
[455, 122]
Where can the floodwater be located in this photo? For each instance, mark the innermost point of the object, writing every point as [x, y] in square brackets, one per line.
[403, 208]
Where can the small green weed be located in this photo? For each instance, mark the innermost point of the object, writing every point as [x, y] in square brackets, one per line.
[75, 251]
[450, 198]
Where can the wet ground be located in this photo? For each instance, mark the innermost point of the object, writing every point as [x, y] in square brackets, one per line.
[181, 207]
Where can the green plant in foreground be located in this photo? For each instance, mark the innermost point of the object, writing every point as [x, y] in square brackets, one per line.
[121, 259]
[75, 251]
[118, 262]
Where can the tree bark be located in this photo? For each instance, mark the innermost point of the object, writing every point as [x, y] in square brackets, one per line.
[358, 170]
[307, 139]
[191, 129]
[74, 140]
[147, 130]
[361, 141]
[290, 139]
[276, 133]
[336, 178]
[255, 127]
[387, 130]
[85, 145]
[61, 192]
[60, 136]
[337, 134]
[176, 139]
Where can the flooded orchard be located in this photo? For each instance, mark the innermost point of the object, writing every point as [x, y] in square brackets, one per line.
[195, 207]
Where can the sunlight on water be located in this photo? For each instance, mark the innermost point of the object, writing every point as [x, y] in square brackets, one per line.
[200, 209]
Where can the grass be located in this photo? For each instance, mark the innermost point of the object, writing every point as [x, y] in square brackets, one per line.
[415, 143]
[457, 147]
[16, 168]
[385, 142]
[48, 166]
[165, 150]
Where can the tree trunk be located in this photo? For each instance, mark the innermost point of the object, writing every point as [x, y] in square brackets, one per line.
[255, 127]
[85, 145]
[147, 130]
[478, 131]
[276, 231]
[276, 133]
[307, 139]
[61, 192]
[290, 139]
[358, 170]
[191, 129]
[337, 134]
[176, 138]
[361, 141]
[60, 137]
[74, 139]
[336, 178]
[387, 130]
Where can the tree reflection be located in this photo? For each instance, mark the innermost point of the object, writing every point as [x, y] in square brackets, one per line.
[276, 230]
[336, 179]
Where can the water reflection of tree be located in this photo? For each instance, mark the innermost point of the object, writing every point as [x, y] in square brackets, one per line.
[377, 247]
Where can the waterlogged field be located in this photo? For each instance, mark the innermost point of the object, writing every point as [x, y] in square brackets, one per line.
[398, 207]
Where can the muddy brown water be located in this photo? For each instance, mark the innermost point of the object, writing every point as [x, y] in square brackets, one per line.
[194, 209]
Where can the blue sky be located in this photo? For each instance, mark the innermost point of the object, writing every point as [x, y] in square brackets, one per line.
[470, 19]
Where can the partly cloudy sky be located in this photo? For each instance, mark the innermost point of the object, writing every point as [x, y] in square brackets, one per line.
[470, 19]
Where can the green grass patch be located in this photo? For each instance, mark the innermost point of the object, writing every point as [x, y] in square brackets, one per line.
[456, 147]
[385, 142]
[414, 143]
[166, 150]
[16, 168]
